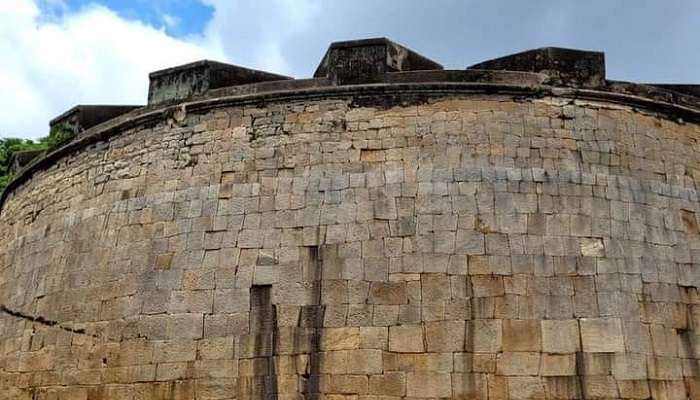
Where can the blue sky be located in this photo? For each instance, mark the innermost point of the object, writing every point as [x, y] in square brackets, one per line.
[179, 18]
[58, 53]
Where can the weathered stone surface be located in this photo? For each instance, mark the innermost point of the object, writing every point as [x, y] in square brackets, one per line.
[364, 61]
[373, 246]
[576, 67]
[602, 335]
[406, 339]
[560, 336]
[195, 79]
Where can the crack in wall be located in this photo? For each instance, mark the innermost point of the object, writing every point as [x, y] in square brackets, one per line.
[313, 385]
[43, 321]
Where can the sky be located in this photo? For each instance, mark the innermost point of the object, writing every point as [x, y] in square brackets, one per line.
[59, 53]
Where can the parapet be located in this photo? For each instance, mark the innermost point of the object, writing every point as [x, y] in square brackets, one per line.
[366, 61]
[197, 78]
[563, 66]
[21, 159]
[82, 117]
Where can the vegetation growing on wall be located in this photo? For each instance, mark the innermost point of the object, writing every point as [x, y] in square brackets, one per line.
[58, 136]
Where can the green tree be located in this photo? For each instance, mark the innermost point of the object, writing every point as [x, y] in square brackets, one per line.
[58, 136]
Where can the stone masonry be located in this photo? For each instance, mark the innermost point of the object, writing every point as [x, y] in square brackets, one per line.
[366, 245]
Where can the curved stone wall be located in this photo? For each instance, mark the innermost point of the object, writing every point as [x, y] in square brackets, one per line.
[462, 246]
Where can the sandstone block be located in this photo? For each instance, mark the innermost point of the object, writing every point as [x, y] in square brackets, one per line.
[388, 384]
[560, 336]
[629, 366]
[340, 339]
[516, 364]
[445, 336]
[602, 335]
[428, 384]
[364, 362]
[525, 388]
[558, 365]
[521, 335]
[484, 335]
[406, 339]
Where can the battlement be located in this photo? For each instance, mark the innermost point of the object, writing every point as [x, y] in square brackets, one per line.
[382, 61]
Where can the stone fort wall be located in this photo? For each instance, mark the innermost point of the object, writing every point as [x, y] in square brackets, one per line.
[375, 247]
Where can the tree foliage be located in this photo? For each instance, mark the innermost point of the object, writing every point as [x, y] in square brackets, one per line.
[58, 136]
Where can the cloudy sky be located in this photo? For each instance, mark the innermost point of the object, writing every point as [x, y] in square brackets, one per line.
[58, 53]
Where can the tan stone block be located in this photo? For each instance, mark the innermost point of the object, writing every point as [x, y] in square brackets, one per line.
[525, 388]
[629, 366]
[435, 362]
[664, 341]
[558, 364]
[340, 338]
[560, 336]
[463, 362]
[389, 384]
[388, 293]
[602, 335]
[664, 368]
[522, 363]
[215, 348]
[374, 337]
[172, 371]
[635, 389]
[484, 335]
[445, 336]
[174, 350]
[469, 386]
[406, 339]
[563, 387]
[185, 326]
[599, 387]
[521, 335]
[215, 369]
[487, 285]
[137, 351]
[365, 361]
[428, 384]
[348, 384]
[72, 393]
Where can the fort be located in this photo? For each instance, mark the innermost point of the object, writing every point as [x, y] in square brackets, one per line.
[520, 229]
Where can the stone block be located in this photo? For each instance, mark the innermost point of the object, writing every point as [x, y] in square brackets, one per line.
[521, 335]
[602, 335]
[364, 361]
[374, 337]
[516, 364]
[340, 338]
[406, 339]
[388, 293]
[629, 366]
[428, 384]
[560, 336]
[469, 386]
[525, 388]
[388, 384]
[558, 365]
[445, 336]
[484, 335]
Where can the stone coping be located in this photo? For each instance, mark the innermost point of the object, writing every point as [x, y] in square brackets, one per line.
[413, 86]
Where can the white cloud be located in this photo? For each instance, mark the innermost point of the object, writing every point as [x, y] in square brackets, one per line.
[90, 56]
[253, 32]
